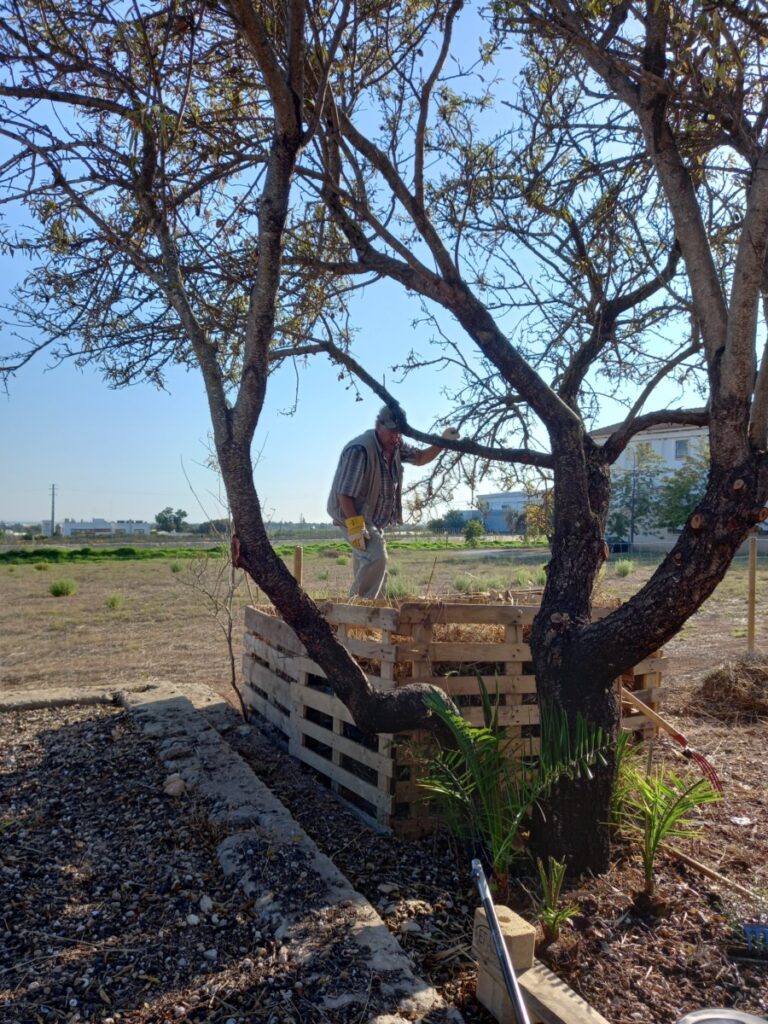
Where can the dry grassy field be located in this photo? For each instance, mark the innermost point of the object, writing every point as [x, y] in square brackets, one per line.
[130, 621]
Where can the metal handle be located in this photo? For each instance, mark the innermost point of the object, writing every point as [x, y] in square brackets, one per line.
[507, 970]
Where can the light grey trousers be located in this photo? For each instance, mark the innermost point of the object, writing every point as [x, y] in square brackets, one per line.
[369, 567]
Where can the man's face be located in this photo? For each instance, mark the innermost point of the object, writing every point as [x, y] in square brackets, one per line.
[388, 437]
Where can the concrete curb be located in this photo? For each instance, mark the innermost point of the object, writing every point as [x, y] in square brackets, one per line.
[186, 724]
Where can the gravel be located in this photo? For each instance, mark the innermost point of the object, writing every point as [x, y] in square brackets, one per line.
[115, 907]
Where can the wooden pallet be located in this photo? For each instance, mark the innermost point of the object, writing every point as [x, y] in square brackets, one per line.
[447, 644]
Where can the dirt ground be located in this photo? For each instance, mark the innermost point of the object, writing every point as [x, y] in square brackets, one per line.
[141, 620]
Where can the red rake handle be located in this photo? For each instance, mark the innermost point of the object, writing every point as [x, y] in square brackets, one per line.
[678, 737]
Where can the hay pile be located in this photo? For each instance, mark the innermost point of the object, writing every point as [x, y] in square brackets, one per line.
[738, 689]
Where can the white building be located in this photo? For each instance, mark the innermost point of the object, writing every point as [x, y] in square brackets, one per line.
[105, 528]
[670, 441]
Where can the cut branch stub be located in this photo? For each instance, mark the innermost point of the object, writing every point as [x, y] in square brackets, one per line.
[739, 486]
[697, 522]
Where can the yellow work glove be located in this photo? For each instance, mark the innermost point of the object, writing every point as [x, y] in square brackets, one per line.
[356, 532]
[451, 434]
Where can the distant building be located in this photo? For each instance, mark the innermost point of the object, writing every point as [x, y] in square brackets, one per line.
[105, 528]
[671, 441]
[501, 512]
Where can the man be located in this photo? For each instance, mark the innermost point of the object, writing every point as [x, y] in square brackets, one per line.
[366, 495]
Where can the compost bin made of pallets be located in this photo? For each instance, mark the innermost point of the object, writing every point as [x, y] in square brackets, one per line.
[448, 644]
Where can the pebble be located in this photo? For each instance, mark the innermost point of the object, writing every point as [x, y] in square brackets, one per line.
[211, 954]
[193, 919]
[206, 904]
[174, 785]
[410, 927]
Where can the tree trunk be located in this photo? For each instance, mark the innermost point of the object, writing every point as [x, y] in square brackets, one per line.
[577, 662]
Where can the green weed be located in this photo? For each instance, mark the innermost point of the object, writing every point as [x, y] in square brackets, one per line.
[41, 566]
[342, 560]
[175, 567]
[114, 601]
[466, 584]
[63, 588]
[624, 567]
[401, 587]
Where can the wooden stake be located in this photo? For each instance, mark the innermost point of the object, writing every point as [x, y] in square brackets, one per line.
[752, 593]
[710, 873]
[298, 565]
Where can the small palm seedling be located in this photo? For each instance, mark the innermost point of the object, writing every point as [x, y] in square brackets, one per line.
[482, 784]
[63, 588]
[659, 808]
[551, 916]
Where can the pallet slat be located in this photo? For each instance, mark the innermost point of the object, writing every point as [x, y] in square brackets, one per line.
[468, 652]
[378, 762]
[381, 801]
[466, 614]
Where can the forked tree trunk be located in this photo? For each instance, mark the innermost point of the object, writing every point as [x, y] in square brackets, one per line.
[577, 662]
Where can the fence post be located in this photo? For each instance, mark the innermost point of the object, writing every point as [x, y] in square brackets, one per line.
[298, 565]
[752, 593]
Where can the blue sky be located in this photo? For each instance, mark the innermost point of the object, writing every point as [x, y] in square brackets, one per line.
[130, 453]
[125, 453]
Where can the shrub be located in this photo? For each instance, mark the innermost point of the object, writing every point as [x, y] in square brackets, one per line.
[115, 601]
[175, 567]
[466, 584]
[342, 560]
[63, 588]
[404, 586]
[624, 567]
[41, 566]
[473, 531]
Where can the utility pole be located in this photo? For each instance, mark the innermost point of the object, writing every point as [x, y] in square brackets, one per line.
[53, 509]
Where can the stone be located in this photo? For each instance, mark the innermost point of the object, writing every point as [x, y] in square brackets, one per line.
[174, 785]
